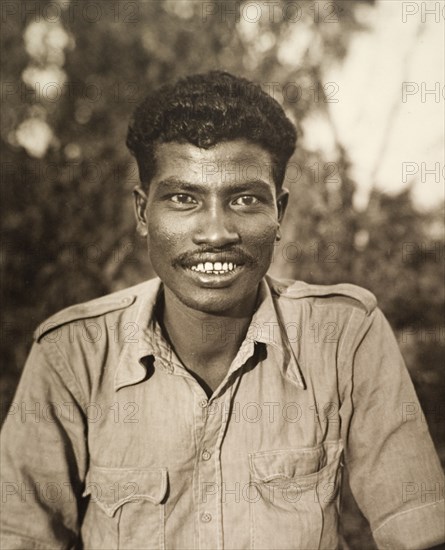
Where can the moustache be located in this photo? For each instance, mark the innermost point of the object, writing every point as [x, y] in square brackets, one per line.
[234, 255]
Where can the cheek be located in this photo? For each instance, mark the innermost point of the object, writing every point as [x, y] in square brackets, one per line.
[166, 239]
[260, 239]
[260, 230]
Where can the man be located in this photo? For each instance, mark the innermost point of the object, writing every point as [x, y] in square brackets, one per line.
[181, 413]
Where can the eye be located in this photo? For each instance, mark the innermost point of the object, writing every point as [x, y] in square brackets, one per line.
[246, 200]
[182, 198]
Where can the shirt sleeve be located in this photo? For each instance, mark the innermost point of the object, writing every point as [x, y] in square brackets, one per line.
[395, 474]
[43, 456]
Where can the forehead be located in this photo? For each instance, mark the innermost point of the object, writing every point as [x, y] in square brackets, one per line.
[230, 161]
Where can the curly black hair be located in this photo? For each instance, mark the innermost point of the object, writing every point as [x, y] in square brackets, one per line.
[206, 109]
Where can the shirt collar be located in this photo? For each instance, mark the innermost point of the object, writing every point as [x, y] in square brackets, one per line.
[130, 369]
[267, 326]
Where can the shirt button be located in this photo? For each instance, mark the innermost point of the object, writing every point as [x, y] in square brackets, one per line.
[203, 403]
[206, 454]
[206, 517]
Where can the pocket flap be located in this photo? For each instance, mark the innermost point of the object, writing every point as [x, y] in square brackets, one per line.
[113, 487]
[267, 466]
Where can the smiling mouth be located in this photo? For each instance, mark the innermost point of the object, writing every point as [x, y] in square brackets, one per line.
[214, 268]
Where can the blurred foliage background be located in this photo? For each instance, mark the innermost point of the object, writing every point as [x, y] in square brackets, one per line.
[72, 75]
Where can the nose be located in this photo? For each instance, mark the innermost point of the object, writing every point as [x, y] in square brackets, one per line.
[216, 229]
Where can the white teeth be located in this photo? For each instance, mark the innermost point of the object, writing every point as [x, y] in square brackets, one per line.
[217, 268]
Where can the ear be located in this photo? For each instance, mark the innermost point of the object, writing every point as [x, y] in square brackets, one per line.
[282, 200]
[140, 210]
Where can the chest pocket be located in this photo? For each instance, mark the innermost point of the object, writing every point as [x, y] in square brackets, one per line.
[293, 497]
[126, 508]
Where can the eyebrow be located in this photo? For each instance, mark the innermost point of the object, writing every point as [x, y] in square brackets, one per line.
[234, 187]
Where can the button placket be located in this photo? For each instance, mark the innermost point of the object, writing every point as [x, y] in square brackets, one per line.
[218, 417]
[208, 468]
[208, 476]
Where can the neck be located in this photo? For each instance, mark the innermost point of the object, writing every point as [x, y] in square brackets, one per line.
[203, 339]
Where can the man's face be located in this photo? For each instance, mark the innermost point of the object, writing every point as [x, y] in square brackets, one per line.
[211, 218]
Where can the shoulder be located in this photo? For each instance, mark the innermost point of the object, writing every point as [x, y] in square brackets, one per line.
[344, 294]
[102, 306]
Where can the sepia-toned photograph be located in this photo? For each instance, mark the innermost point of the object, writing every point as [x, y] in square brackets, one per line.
[223, 275]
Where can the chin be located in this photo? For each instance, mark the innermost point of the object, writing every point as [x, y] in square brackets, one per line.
[207, 302]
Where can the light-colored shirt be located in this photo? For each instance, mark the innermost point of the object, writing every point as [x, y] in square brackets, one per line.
[111, 443]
